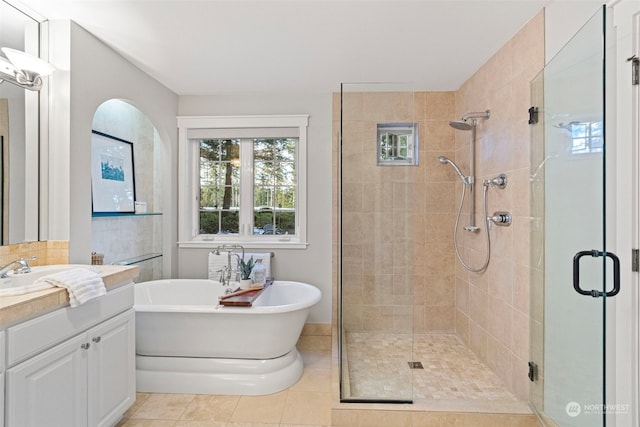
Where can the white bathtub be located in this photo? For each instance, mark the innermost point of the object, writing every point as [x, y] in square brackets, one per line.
[187, 343]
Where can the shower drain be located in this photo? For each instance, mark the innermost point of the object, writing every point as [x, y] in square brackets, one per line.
[415, 365]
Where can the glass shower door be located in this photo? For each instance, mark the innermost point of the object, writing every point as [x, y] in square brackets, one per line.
[572, 274]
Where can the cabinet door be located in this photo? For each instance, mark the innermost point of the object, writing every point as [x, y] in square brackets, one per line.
[1, 378]
[50, 389]
[111, 369]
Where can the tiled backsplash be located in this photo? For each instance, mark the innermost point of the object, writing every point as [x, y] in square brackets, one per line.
[46, 252]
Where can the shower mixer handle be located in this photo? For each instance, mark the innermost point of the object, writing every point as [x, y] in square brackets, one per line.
[502, 218]
[499, 181]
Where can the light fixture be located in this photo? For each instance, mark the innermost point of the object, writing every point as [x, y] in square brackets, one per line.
[22, 69]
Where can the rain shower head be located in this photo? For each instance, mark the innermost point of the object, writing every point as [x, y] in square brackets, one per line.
[465, 124]
[460, 125]
[444, 160]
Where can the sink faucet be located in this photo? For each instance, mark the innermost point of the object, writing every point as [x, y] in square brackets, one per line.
[23, 267]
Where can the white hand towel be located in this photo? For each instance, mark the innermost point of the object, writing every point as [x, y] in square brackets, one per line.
[216, 264]
[32, 287]
[264, 257]
[81, 283]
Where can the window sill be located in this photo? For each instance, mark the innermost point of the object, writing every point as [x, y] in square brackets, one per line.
[212, 244]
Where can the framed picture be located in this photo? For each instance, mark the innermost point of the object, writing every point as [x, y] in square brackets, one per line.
[112, 174]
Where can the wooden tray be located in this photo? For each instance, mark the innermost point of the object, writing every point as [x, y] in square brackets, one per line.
[246, 299]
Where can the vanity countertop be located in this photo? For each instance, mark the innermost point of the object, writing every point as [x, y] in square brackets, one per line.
[14, 309]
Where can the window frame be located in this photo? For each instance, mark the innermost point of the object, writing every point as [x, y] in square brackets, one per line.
[189, 183]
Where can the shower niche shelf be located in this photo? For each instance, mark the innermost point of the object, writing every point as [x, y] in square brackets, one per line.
[119, 214]
[138, 259]
[397, 144]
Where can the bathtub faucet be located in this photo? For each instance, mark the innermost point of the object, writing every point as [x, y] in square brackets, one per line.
[227, 270]
[237, 270]
[225, 275]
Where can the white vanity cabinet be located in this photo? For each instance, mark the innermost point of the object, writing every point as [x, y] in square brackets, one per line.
[87, 379]
[49, 389]
[111, 370]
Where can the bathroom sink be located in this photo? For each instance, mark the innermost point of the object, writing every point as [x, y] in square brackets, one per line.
[18, 284]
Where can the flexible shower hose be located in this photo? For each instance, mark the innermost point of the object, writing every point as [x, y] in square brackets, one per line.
[486, 231]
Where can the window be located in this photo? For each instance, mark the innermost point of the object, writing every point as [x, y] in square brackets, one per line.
[219, 186]
[244, 181]
[586, 137]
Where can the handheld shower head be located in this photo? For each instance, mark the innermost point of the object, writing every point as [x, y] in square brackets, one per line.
[444, 160]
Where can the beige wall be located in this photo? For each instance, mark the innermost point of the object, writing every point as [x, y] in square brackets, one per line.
[492, 308]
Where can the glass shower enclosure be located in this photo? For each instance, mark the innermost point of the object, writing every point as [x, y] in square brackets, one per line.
[573, 276]
[379, 167]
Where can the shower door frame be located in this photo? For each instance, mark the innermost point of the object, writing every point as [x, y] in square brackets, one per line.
[631, 383]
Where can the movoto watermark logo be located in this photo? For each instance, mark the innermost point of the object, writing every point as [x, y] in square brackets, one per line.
[574, 409]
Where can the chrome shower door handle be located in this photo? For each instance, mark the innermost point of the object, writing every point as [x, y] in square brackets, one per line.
[594, 292]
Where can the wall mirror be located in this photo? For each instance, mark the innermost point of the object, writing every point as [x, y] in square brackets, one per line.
[397, 144]
[19, 132]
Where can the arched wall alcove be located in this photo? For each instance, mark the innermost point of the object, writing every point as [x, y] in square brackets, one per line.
[72, 105]
[132, 239]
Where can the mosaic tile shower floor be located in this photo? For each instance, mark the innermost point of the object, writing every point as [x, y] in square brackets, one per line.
[379, 368]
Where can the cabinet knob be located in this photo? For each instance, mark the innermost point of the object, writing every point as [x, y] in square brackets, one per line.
[85, 346]
[96, 340]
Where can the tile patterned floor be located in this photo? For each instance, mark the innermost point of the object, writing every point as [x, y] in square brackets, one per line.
[450, 372]
[307, 403]
[378, 367]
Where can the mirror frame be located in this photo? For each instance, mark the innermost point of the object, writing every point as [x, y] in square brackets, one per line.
[35, 139]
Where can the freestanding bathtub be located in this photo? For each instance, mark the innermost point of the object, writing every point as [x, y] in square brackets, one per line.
[187, 343]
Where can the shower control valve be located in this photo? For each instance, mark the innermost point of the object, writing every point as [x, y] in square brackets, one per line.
[499, 181]
[502, 218]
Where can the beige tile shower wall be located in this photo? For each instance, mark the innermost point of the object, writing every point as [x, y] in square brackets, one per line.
[492, 308]
[398, 265]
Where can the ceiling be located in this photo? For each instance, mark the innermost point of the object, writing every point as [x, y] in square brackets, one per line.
[213, 46]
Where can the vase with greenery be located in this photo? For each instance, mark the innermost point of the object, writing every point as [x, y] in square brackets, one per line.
[245, 268]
